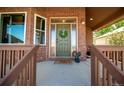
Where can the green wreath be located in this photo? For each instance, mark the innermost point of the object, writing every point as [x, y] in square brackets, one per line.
[63, 34]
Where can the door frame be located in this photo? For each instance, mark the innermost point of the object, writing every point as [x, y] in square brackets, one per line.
[55, 32]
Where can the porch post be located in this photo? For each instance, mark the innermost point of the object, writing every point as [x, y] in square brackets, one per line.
[93, 69]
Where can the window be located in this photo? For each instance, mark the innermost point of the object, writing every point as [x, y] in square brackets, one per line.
[39, 29]
[12, 28]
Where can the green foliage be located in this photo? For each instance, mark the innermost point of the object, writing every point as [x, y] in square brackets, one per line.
[119, 24]
[116, 39]
[63, 34]
[109, 28]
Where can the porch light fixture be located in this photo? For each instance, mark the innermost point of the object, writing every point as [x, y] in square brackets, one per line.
[83, 22]
[63, 21]
[91, 19]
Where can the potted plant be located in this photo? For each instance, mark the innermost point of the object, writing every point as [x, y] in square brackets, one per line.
[76, 55]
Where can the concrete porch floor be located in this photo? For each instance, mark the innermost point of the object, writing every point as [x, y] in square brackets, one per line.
[75, 74]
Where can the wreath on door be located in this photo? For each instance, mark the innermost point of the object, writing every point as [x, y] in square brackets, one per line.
[63, 33]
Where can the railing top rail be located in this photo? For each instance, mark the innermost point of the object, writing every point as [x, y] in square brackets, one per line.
[110, 45]
[7, 45]
[15, 47]
[13, 74]
[110, 48]
[111, 67]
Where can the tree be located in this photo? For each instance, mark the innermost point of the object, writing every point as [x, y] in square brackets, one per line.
[116, 39]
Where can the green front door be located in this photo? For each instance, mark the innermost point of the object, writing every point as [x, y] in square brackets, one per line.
[63, 40]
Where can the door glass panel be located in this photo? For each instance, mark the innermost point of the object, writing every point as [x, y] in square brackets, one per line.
[53, 40]
[73, 37]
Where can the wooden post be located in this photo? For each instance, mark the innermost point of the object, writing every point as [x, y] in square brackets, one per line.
[122, 63]
[93, 69]
[0, 63]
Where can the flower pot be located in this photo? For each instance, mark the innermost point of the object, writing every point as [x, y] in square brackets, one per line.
[77, 60]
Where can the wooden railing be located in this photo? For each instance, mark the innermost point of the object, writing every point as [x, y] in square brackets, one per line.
[10, 55]
[114, 53]
[104, 69]
[24, 69]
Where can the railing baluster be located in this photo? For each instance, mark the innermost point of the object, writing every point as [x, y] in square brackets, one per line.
[18, 55]
[30, 72]
[26, 77]
[109, 79]
[23, 75]
[31, 69]
[34, 68]
[18, 80]
[4, 63]
[21, 78]
[104, 76]
[122, 63]
[21, 53]
[9, 58]
[0, 63]
[98, 73]
[109, 54]
[116, 58]
[12, 58]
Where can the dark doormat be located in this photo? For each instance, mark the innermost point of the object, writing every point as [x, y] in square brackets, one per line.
[63, 62]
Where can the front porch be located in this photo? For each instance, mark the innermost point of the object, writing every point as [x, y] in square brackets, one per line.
[41, 34]
[75, 74]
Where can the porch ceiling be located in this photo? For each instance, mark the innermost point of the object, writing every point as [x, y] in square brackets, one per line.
[102, 16]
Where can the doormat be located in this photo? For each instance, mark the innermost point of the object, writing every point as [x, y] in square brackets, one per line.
[63, 62]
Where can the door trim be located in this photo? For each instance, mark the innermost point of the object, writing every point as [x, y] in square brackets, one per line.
[55, 32]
